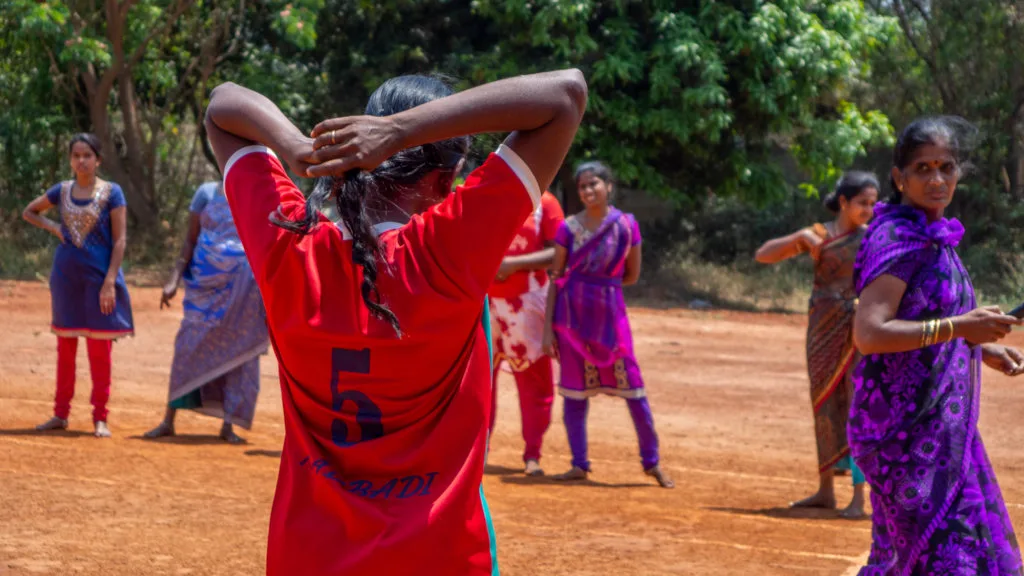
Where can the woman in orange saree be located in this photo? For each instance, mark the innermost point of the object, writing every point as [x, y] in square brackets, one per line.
[830, 350]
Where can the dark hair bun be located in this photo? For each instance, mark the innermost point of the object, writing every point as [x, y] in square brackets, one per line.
[849, 186]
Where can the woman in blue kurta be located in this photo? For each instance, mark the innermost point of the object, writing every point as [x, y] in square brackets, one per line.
[216, 368]
[87, 290]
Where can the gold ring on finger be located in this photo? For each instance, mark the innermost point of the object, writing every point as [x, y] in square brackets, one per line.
[333, 134]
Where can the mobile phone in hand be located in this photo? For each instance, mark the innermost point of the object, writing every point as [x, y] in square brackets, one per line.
[1017, 312]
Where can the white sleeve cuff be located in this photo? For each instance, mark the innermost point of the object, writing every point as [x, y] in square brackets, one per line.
[255, 148]
[521, 170]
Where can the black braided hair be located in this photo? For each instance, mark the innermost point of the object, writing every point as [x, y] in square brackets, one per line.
[358, 190]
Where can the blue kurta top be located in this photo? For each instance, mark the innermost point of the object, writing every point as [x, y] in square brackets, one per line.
[81, 262]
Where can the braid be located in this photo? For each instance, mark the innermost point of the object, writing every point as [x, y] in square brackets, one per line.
[314, 204]
[350, 192]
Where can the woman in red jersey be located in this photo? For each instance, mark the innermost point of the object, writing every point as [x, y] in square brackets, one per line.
[376, 322]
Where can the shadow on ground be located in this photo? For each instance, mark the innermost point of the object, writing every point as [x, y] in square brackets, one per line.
[788, 513]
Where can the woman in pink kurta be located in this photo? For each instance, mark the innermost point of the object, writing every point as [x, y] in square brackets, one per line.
[597, 251]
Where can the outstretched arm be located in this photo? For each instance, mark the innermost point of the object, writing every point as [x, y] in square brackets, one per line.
[539, 260]
[778, 249]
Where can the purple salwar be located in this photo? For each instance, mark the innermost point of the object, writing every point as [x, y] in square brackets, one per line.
[575, 418]
[595, 344]
[913, 426]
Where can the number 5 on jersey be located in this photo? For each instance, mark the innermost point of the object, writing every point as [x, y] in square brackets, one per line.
[368, 416]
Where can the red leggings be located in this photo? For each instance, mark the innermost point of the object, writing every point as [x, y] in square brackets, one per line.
[536, 387]
[99, 367]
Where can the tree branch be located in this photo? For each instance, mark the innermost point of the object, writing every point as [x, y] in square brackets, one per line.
[928, 57]
[236, 40]
[140, 50]
[115, 35]
[126, 5]
[184, 84]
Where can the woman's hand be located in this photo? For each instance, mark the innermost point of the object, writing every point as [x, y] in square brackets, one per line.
[343, 144]
[57, 231]
[809, 242]
[107, 298]
[984, 325]
[1009, 361]
[298, 155]
[169, 292]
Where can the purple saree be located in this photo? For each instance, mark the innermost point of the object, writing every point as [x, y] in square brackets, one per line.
[913, 426]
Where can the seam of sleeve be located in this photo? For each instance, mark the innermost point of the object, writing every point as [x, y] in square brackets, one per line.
[522, 171]
[242, 152]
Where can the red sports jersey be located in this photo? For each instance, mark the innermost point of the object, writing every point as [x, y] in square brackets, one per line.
[384, 437]
[538, 230]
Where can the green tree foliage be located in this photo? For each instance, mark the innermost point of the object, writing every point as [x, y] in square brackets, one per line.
[685, 97]
[964, 58]
[137, 73]
[688, 97]
[362, 44]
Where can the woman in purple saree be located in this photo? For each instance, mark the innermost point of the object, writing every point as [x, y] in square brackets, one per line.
[913, 427]
[597, 252]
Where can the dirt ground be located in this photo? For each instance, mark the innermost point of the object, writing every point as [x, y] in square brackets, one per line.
[731, 406]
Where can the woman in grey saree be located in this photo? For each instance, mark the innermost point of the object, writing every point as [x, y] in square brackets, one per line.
[216, 354]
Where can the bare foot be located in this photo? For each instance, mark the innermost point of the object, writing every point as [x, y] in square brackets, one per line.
[663, 480]
[818, 500]
[53, 424]
[102, 431]
[164, 429]
[854, 511]
[533, 468]
[572, 475]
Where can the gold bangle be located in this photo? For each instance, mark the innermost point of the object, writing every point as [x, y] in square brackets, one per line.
[937, 324]
[952, 330]
[925, 326]
[932, 333]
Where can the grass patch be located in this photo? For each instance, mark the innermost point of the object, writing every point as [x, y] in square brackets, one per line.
[746, 286]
